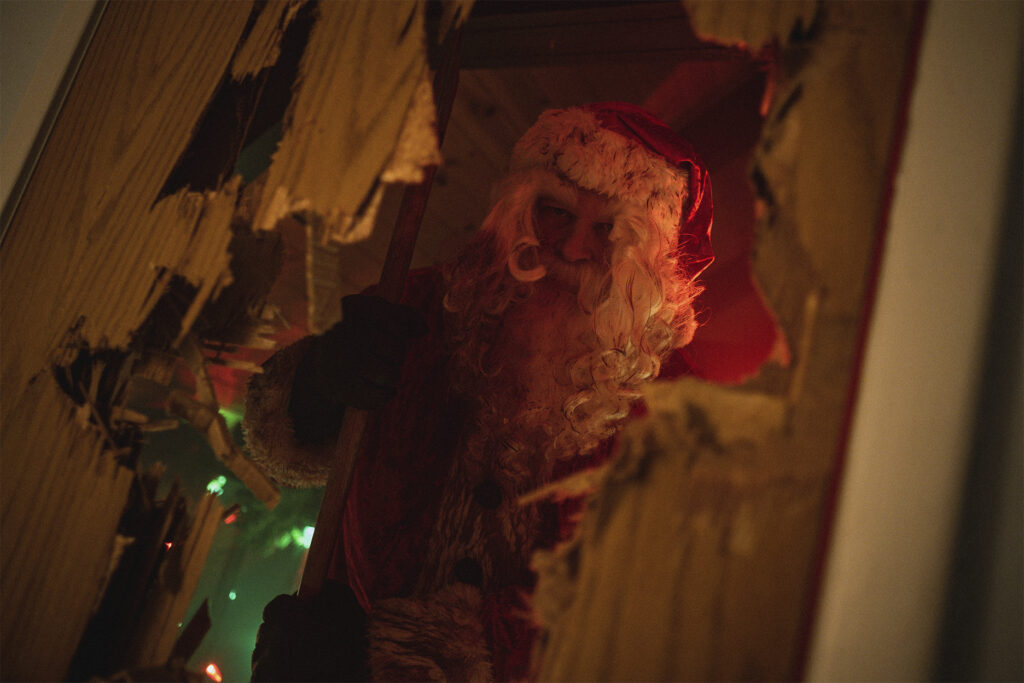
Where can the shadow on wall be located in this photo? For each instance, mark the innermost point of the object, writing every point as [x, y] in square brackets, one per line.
[984, 622]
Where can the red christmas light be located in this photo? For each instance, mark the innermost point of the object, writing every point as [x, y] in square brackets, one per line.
[213, 672]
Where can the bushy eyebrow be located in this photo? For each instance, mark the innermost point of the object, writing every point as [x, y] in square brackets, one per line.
[561, 193]
[568, 197]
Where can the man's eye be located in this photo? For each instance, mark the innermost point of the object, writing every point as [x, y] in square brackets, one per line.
[556, 211]
[603, 228]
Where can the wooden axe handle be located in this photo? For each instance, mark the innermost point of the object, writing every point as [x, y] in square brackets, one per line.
[392, 283]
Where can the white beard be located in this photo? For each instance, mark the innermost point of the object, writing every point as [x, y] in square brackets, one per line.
[541, 384]
[536, 344]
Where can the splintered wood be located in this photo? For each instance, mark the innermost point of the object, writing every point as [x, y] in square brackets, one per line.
[674, 572]
[203, 413]
[697, 559]
[262, 46]
[331, 168]
[86, 250]
[93, 255]
[100, 239]
[167, 602]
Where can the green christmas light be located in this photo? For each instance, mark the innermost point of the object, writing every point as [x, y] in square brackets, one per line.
[216, 486]
[230, 417]
[295, 536]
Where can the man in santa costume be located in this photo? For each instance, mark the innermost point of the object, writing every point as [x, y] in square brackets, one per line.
[508, 370]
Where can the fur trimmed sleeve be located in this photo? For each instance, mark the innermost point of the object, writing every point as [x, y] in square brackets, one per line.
[436, 638]
[268, 427]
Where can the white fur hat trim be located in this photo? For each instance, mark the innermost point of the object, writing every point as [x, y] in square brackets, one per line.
[573, 143]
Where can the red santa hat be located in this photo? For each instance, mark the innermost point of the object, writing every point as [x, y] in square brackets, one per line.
[621, 150]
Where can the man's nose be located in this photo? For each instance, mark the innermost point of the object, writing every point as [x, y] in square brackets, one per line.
[580, 244]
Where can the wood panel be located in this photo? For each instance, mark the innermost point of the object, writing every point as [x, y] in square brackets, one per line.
[101, 236]
[90, 249]
[86, 242]
[165, 607]
[345, 120]
[699, 561]
[63, 493]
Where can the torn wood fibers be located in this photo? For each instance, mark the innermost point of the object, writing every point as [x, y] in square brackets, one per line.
[97, 241]
[697, 557]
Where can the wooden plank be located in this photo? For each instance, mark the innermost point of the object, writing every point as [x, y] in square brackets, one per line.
[360, 69]
[373, 54]
[76, 247]
[205, 261]
[88, 250]
[23, 475]
[46, 525]
[262, 45]
[166, 607]
[691, 520]
[48, 432]
[71, 568]
[58, 533]
[610, 33]
[83, 565]
[21, 528]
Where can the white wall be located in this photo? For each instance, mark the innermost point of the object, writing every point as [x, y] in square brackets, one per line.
[886, 579]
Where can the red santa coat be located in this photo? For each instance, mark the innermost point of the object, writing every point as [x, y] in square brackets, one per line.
[434, 543]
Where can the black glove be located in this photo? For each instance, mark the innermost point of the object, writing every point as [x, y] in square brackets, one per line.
[357, 363]
[362, 356]
[323, 639]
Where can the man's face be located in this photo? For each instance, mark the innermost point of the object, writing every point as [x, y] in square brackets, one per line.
[574, 231]
[542, 334]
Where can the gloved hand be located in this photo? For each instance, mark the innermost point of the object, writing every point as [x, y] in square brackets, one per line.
[356, 363]
[362, 356]
[323, 639]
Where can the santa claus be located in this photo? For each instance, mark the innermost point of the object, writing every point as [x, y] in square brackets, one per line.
[504, 372]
